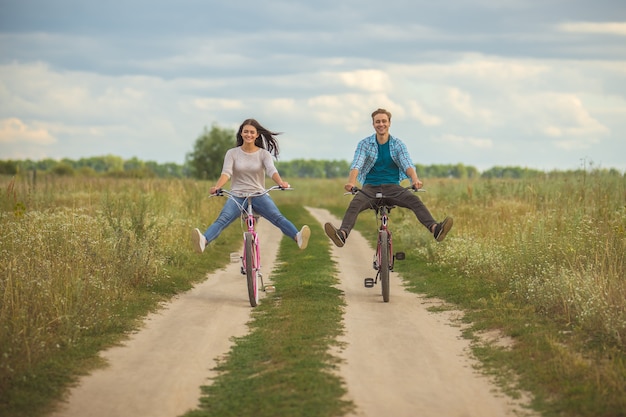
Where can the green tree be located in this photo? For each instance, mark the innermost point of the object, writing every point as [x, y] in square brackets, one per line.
[113, 163]
[459, 171]
[335, 169]
[134, 164]
[307, 168]
[207, 158]
[166, 170]
[45, 164]
[63, 169]
[8, 167]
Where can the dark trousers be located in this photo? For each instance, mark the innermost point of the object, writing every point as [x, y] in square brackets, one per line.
[393, 195]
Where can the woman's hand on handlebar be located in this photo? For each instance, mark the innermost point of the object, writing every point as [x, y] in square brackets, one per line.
[351, 188]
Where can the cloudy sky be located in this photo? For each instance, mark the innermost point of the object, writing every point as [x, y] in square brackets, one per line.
[532, 83]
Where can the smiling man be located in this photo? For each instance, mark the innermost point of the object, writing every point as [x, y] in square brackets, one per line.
[380, 163]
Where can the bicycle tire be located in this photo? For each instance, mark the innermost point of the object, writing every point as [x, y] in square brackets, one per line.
[251, 270]
[383, 267]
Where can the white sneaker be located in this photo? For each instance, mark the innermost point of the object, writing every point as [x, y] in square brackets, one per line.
[198, 240]
[303, 237]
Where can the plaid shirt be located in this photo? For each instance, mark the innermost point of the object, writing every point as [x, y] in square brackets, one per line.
[366, 155]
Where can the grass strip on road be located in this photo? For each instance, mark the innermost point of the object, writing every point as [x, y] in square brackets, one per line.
[284, 366]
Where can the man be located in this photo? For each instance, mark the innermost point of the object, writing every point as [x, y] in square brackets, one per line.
[380, 163]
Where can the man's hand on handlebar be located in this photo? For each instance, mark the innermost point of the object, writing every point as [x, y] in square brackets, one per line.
[417, 185]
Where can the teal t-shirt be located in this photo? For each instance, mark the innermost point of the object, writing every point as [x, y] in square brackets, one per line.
[385, 171]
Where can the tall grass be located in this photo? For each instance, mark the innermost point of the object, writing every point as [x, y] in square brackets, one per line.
[557, 244]
[541, 261]
[80, 259]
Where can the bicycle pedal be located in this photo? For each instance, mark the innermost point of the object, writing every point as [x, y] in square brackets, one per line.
[368, 282]
[400, 256]
[269, 288]
[243, 272]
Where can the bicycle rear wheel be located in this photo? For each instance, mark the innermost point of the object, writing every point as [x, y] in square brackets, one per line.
[251, 269]
[383, 267]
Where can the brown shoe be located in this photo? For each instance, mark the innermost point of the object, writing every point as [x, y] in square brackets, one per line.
[442, 229]
[337, 236]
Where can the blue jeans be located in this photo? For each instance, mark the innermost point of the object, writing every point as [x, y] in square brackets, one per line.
[263, 206]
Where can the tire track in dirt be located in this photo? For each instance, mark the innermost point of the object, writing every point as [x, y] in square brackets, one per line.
[158, 371]
[399, 359]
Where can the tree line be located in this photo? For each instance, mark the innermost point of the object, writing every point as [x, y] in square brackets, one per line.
[205, 161]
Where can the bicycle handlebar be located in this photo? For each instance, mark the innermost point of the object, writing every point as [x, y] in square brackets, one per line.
[220, 192]
[356, 190]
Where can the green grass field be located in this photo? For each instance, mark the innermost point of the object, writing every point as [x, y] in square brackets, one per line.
[540, 261]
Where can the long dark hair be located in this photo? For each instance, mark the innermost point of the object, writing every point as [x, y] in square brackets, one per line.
[265, 140]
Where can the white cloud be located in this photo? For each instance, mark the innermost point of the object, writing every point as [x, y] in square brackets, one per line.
[561, 115]
[467, 142]
[350, 111]
[600, 28]
[367, 80]
[13, 130]
[463, 103]
[283, 105]
[395, 33]
[576, 144]
[477, 67]
[217, 103]
[416, 111]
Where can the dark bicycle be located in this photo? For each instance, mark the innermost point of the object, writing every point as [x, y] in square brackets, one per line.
[384, 258]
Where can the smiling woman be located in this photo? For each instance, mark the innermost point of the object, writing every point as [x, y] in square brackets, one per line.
[246, 166]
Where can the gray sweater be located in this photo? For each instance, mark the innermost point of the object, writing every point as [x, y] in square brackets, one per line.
[247, 170]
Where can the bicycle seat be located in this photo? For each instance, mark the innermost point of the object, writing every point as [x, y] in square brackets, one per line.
[377, 205]
[244, 216]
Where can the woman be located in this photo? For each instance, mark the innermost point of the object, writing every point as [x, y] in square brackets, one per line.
[246, 166]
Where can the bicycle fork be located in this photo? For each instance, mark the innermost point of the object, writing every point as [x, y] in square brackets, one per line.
[256, 258]
[376, 262]
[256, 266]
[370, 282]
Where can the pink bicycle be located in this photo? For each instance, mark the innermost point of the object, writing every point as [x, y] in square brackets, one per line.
[251, 259]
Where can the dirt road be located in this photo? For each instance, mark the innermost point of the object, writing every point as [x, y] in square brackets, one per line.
[159, 370]
[399, 359]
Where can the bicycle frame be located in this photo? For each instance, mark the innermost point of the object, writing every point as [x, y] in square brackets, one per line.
[383, 213]
[251, 259]
[384, 258]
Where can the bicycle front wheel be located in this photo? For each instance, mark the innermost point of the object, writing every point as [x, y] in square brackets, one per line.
[383, 267]
[251, 269]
